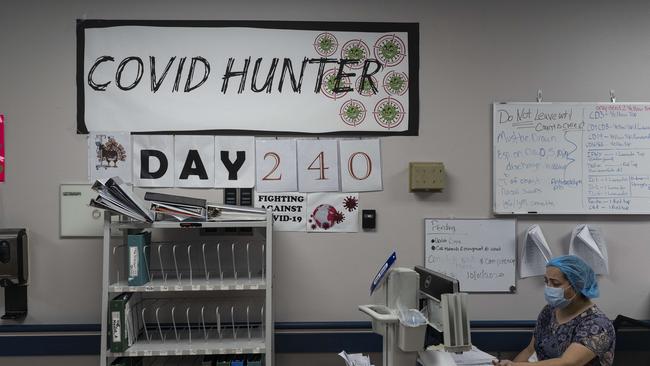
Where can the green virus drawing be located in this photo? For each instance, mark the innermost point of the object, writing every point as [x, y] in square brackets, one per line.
[389, 113]
[367, 88]
[395, 83]
[390, 50]
[326, 44]
[329, 84]
[352, 112]
[356, 50]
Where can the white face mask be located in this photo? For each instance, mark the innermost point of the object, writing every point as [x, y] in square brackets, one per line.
[555, 297]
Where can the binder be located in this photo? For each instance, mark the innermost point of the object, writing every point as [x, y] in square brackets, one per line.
[127, 361]
[175, 200]
[121, 330]
[138, 271]
[254, 360]
[122, 192]
[208, 360]
[223, 361]
[237, 361]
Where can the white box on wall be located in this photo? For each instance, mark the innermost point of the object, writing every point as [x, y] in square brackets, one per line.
[77, 218]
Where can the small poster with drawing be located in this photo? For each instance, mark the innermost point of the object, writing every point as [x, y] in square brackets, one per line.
[109, 155]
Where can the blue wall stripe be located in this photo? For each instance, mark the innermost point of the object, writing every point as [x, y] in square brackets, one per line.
[309, 340]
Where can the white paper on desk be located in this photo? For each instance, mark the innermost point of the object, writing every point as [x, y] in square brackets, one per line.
[473, 357]
[536, 253]
[355, 359]
[587, 242]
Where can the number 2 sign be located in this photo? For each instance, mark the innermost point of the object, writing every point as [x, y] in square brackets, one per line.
[318, 166]
[275, 165]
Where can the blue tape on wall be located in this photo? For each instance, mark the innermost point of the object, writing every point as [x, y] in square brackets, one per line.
[350, 336]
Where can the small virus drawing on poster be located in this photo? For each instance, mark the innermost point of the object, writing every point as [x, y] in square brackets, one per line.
[352, 112]
[326, 44]
[351, 203]
[109, 152]
[325, 217]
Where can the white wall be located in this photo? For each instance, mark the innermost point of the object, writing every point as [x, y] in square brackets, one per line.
[472, 54]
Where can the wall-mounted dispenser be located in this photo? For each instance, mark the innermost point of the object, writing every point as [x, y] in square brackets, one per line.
[14, 271]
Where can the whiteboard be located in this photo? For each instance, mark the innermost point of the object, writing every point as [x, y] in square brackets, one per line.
[479, 253]
[571, 158]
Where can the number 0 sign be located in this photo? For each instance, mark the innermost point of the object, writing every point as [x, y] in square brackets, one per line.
[360, 165]
[275, 165]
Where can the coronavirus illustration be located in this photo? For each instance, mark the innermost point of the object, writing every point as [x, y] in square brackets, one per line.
[329, 84]
[395, 83]
[390, 50]
[326, 44]
[325, 217]
[350, 203]
[356, 50]
[352, 112]
[389, 113]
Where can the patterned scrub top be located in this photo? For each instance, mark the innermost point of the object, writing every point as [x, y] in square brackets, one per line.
[591, 329]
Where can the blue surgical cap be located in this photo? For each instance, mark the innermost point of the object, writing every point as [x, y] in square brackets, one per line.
[579, 274]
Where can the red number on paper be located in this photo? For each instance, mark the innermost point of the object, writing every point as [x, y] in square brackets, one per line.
[351, 165]
[321, 165]
[275, 167]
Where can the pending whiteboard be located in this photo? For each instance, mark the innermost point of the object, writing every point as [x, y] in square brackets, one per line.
[479, 253]
[571, 158]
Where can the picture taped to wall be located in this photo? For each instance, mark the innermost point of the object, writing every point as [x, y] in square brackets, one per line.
[245, 77]
[109, 155]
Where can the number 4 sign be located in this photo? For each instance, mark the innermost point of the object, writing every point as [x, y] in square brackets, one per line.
[360, 165]
[318, 166]
[275, 165]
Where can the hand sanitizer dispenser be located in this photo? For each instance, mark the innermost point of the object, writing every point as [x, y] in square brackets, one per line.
[14, 271]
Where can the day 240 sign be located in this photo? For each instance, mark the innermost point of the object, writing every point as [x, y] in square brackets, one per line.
[247, 77]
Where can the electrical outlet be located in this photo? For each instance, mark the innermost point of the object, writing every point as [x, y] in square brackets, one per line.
[426, 176]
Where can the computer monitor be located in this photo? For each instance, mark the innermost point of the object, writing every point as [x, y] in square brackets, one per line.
[446, 310]
[434, 284]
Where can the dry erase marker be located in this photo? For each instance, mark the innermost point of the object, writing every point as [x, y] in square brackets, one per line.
[382, 271]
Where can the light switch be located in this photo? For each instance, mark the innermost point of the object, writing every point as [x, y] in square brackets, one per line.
[426, 176]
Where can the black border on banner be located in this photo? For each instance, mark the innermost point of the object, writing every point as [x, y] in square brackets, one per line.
[412, 29]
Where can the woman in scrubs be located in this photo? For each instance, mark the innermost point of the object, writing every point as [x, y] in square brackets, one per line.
[570, 330]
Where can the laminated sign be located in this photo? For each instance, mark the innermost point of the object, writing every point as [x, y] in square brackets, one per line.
[265, 77]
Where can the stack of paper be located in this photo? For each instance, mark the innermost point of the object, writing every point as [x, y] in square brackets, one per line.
[536, 253]
[434, 357]
[218, 212]
[355, 359]
[474, 357]
[116, 196]
[587, 242]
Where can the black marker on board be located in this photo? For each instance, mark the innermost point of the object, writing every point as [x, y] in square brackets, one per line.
[532, 212]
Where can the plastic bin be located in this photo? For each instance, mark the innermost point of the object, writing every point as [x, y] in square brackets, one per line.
[412, 330]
